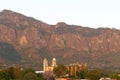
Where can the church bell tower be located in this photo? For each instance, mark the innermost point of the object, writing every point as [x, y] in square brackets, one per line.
[54, 62]
[45, 64]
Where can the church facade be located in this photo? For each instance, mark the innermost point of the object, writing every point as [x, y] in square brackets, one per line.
[47, 67]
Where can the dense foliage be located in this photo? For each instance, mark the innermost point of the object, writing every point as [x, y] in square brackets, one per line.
[17, 73]
[60, 70]
[96, 74]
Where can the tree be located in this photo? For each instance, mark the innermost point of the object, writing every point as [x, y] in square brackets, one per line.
[30, 76]
[40, 76]
[7, 74]
[115, 76]
[10, 73]
[105, 74]
[3, 75]
[28, 70]
[60, 71]
[17, 72]
[94, 74]
[81, 74]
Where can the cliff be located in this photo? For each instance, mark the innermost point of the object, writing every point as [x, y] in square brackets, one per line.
[27, 41]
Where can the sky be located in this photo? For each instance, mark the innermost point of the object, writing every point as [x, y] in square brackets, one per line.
[88, 13]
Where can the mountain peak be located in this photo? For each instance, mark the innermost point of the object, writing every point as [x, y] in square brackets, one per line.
[8, 14]
[59, 24]
[5, 11]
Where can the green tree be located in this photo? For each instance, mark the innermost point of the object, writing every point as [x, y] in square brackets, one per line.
[104, 74]
[7, 74]
[30, 76]
[40, 76]
[94, 74]
[3, 74]
[115, 76]
[81, 74]
[60, 71]
[28, 70]
[17, 72]
[10, 73]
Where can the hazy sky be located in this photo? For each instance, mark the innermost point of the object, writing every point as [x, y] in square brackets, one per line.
[91, 13]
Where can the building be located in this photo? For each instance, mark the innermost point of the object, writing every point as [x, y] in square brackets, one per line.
[39, 72]
[47, 67]
[74, 68]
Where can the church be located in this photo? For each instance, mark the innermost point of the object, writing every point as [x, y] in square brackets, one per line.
[47, 67]
[72, 68]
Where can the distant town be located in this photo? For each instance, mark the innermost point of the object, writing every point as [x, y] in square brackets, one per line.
[54, 71]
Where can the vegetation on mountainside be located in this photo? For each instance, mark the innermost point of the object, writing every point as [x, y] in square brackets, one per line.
[8, 52]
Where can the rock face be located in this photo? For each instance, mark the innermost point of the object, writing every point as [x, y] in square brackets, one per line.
[33, 40]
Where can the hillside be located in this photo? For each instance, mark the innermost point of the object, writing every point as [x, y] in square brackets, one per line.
[27, 41]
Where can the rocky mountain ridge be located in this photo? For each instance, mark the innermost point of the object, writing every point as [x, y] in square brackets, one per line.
[32, 40]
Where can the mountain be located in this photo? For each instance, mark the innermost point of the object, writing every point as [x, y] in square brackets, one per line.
[27, 41]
